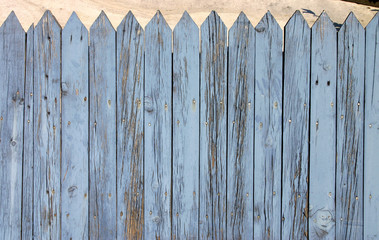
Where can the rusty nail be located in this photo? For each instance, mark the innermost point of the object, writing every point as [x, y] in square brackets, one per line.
[123, 120]
[109, 195]
[18, 92]
[275, 104]
[330, 194]
[85, 98]
[370, 196]
[317, 123]
[274, 193]
[234, 122]
[165, 194]
[121, 213]
[206, 123]
[341, 116]
[94, 217]
[150, 212]
[332, 104]
[178, 122]
[359, 103]
[356, 198]
[1, 118]
[206, 216]
[305, 104]
[69, 123]
[54, 127]
[220, 102]
[258, 217]
[67, 215]
[31, 94]
[95, 123]
[177, 214]
[193, 101]
[283, 218]
[28, 121]
[290, 121]
[194, 193]
[231, 213]
[298, 196]
[247, 194]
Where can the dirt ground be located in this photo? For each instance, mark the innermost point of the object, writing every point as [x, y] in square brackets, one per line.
[30, 11]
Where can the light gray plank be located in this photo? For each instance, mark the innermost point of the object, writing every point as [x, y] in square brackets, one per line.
[28, 163]
[12, 72]
[157, 124]
[350, 106]
[268, 128]
[102, 125]
[185, 129]
[296, 128]
[74, 176]
[371, 144]
[130, 82]
[47, 128]
[323, 129]
[213, 99]
[240, 185]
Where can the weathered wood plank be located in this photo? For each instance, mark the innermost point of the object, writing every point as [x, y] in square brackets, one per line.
[74, 175]
[157, 124]
[28, 163]
[47, 128]
[102, 125]
[213, 99]
[130, 82]
[323, 129]
[296, 128]
[186, 93]
[371, 144]
[268, 129]
[240, 161]
[12, 72]
[350, 106]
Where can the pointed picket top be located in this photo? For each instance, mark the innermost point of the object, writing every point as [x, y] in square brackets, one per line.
[48, 17]
[157, 20]
[31, 28]
[323, 23]
[186, 22]
[374, 22]
[267, 21]
[102, 22]
[296, 18]
[12, 22]
[213, 16]
[351, 20]
[241, 22]
[129, 19]
[74, 21]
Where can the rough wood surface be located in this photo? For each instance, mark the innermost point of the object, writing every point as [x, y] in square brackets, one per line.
[350, 106]
[371, 126]
[28, 163]
[12, 72]
[102, 180]
[296, 128]
[130, 82]
[74, 130]
[268, 129]
[186, 125]
[240, 184]
[323, 130]
[157, 124]
[213, 108]
[47, 128]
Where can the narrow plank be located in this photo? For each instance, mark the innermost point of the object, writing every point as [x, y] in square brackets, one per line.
[28, 162]
[268, 128]
[186, 125]
[74, 176]
[296, 128]
[102, 193]
[213, 99]
[350, 106]
[240, 162]
[47, 128]
[130, 82]
[12, 72]
[323, 129]
[371, 144]
[157, 124]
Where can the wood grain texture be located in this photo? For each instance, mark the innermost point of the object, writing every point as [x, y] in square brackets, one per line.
[102, 125]
[371, 126]
[157, 124]
[268, 128]
[12, 72]
[213, 109]
[47, 128]
[295, 128]
[186, 116]
[240, 205]
[323, 130]
[75, 91]
[130, 82]
[350, 106]
[28, 162]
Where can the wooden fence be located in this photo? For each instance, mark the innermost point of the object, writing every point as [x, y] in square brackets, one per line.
[134, 134]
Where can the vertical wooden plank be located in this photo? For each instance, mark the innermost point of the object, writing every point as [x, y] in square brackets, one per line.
[74, 129]
[47, 128]
[102, 129]
[350, 106]
[371, 144]
[240, 205]
[185, 129]
[157, 124]
[213, 98]
[295, 128]
[268, 129]
[12, 72]
[130, 82]
[28, 162]
[323, 129]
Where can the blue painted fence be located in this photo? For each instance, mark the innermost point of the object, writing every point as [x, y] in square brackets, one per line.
[189, 133]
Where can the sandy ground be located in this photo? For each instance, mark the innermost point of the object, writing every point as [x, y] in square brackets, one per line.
[30, 11]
